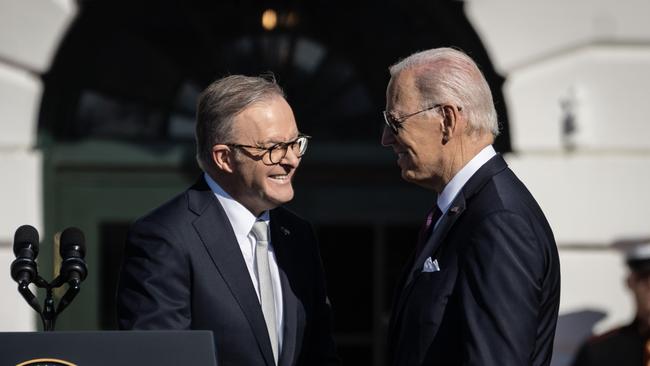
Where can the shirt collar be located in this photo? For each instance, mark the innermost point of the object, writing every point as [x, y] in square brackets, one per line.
[240, 217]
[446, 197]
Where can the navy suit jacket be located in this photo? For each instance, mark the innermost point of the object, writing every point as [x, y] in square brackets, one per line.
[495, 299]
[183, 269]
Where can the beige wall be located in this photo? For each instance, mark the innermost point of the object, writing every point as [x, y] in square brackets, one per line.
[30, 31]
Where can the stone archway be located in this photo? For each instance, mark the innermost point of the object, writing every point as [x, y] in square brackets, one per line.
[30, 32]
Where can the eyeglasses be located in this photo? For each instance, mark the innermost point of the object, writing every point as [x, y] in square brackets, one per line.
[396, 123]
[278, 151]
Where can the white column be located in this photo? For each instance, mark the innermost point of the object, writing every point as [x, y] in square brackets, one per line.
[30, 33]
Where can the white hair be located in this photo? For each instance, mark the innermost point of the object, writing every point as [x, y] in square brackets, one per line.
[446, 75]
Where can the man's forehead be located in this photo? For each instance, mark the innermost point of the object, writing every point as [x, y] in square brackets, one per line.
[264, 126]
[267, 136]
[401, 88]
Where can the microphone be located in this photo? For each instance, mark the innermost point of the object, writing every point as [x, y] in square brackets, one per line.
[23, 268]
[73, 250]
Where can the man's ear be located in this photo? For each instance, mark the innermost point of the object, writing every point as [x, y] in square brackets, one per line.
[222, 158]
[450, 122]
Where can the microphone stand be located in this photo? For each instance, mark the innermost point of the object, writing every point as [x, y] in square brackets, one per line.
[49, 312]
[73, 270]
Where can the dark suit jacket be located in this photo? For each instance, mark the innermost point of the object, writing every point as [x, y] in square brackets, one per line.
[624, 346]
[495, 299]
[183, 269]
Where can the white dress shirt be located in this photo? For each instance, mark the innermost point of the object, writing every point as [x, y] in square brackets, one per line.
[449, 193]
[242, 220]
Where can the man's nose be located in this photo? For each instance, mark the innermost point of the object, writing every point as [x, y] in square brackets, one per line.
[387, 137]
[290, 158]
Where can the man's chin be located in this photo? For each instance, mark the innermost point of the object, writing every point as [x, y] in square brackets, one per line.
[409, 175]
[280, 198]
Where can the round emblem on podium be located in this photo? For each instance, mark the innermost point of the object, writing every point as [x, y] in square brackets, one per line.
[46, 362]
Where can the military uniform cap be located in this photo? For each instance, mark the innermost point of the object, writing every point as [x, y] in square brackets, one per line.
[636, 252]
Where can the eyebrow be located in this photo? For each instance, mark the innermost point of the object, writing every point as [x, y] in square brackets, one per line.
[274, 141]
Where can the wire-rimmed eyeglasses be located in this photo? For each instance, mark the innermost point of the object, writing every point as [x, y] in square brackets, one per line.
[396, 123]
[278, 151]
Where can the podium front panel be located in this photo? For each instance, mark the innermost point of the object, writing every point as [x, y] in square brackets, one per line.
[108, 348]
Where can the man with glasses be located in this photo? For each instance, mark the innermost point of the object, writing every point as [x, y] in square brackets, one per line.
[223, 255]
[483, 284]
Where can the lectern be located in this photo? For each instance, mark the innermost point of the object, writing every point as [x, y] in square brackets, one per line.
[108, 348]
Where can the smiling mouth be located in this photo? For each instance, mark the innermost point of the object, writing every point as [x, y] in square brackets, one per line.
[401, 154]
[282, 178]
[402, 157]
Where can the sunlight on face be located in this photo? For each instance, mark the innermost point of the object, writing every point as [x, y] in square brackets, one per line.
[261, 185]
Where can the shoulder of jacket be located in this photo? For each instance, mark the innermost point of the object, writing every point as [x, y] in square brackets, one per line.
[284, 213]
[608, 335]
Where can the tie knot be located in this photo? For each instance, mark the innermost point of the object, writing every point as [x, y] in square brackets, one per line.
[260, 231]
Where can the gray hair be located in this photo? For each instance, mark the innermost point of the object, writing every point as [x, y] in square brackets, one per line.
[449, 75]
[221, 102]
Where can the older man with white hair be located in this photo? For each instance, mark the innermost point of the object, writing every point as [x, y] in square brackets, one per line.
[483, 285]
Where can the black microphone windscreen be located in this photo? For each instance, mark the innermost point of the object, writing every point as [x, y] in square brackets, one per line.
[72, 239]
[24, 236]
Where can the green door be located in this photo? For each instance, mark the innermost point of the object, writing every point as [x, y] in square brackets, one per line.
[101, 187]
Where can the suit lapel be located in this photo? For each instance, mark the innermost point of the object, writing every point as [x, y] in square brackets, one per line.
[474, 184]
[431, 249]
[217, 236]
[436, 245]
[281, 239]
[433, 244]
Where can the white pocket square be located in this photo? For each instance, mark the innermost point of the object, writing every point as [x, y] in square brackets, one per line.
[430, 265]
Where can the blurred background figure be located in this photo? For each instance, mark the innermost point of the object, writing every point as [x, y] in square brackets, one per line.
[628, 345]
